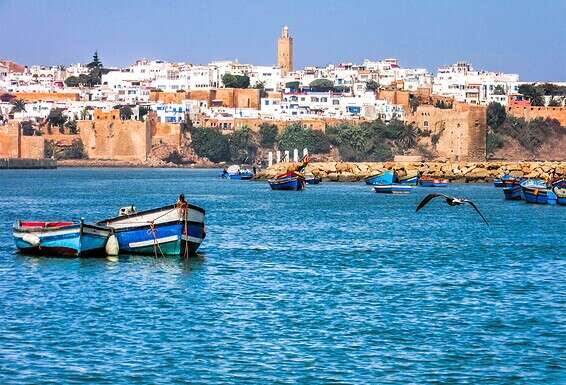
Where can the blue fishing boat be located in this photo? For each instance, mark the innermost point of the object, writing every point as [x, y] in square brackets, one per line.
[234, 172]
[433, 182]
[513, 192]
[72, 239]
[393, 189]
[560, 183]
[289, 182]
[505, 180]
[409, 180]
[560, 195]
[175, 230]
[311, 179]
[385, 177]
[537, 191]
[242, 175]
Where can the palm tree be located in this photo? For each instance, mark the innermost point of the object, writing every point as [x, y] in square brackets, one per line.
[18, 105]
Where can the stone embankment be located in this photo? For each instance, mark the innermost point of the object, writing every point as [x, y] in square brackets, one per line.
[457, 172]
[19, 163]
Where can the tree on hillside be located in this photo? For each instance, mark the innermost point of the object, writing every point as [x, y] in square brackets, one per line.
[499, 90]
[243, 146]
[414, 102]
[321, 85]
[371, 85]
[71, 125]
[126, 112]
[406, 135]
[292, 85]
[267, 134]
[261, 87]
[299, 137]
[235, 81]
[496, 115]
[211, 144]
[56, 118]
[532, 94]
[18, 105]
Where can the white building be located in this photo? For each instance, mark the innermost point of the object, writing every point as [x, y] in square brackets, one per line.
[468, 85]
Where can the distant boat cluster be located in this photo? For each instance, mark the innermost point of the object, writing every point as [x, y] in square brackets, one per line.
[533, 190]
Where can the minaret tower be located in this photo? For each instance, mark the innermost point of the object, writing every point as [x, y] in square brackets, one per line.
[285, 52]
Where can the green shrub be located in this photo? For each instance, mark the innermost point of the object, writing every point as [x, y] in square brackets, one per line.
[493, 142]
[268, 134]
[243, 146]
[211, 144]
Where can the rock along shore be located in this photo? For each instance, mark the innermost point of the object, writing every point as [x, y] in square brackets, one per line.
[456, 172]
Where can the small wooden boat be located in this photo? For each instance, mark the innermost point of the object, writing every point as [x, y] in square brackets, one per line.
[169, 230]
[537, 191]
[241, 175]
[409, 180]
[513, 192]
[433, 182]
[292, 182]
[234, 172]
[505, 180]
[311, 179]
[393, 189]
[560, 195]
[72, 239]
[385, 177]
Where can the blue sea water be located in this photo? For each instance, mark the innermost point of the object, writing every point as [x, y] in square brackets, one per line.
[332, 285]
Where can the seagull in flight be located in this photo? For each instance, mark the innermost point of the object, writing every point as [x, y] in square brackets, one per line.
[451, 201]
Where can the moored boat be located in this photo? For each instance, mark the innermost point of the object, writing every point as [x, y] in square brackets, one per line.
[409, 180]
[537, 191]
[433, 182]
[560, 195]
[393, 189]
[177, 229]
[513, 192]
[291, 182]
[383, 178]
[505, 180]
[73, 239]
[311, 179]
[235, 172]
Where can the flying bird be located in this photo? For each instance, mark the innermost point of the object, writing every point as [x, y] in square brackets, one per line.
[451, 201]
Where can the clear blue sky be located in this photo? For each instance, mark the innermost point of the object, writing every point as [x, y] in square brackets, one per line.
[520, 36]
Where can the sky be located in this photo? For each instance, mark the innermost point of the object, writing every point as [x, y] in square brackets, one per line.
[520, 36]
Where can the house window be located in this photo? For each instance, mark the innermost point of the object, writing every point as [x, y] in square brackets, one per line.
[335, 102]
[425, 123]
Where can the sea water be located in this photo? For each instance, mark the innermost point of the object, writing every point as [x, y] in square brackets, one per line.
[335, 284]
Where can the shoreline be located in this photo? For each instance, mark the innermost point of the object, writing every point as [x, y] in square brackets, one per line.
[99, 163]
[456, 172]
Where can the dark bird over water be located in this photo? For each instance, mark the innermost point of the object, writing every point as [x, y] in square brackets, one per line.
[451, 201]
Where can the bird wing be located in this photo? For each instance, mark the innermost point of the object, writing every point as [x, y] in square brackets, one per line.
[476, 208]
[428, 198]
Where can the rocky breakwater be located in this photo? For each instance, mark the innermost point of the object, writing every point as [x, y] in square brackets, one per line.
[457, 172]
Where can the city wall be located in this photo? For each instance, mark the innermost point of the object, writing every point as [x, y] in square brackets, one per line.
[460, 131]
[13, 144]
[531, 112]
[30, 97]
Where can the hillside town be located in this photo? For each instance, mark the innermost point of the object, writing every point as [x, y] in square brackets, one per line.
[147, 113]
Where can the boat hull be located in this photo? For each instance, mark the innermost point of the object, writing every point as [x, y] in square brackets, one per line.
[536, 191]
[560, 195]
[393, 189]
[411, 181]
[384, 178]
[313, 180]
[513, 192]
[241, 176]
[433, 182]
[293, 183]
[160, 231]
[77, 240]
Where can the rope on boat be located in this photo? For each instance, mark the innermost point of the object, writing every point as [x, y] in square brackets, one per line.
[155, 243]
